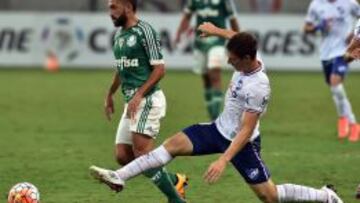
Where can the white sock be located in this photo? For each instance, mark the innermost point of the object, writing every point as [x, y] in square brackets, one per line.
[154, 159]
[342, 103]
[299, 193]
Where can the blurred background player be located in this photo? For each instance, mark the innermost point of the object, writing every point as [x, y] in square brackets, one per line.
[334, 19]
[140, 67]
[235, 133]
[209, 52]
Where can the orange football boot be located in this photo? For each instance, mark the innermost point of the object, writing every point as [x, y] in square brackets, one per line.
[181, 184]
[354, 132]
[343, 127]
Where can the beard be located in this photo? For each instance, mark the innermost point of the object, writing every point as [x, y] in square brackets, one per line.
[120, 21]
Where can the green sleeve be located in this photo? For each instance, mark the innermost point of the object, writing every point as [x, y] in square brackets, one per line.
[151, 43]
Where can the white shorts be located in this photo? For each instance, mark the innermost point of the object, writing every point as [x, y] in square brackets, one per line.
[147, 119]
[214, 58]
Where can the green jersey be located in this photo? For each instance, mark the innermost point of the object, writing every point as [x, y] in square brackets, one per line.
[214, 11]
[136, 49]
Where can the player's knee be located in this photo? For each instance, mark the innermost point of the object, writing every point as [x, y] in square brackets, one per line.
[335, 80]
[177, 144]
[215, 77]
[123, 155]
[268, 197]
[122, 159]
[141, 150]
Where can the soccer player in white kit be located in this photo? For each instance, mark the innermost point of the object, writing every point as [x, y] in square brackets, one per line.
[235, 133]
[334, 20]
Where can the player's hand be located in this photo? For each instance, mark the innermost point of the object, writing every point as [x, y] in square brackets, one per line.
[207, 29]
[109, 107]
[133, 106]
[325, 26]
[215, 170]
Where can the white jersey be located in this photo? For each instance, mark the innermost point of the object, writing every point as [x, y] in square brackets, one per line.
[340, 15]
[246, 92]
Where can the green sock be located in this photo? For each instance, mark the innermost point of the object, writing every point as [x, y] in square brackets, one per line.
[209, 103]
[173, 178]
[217, 100]
[162, 180]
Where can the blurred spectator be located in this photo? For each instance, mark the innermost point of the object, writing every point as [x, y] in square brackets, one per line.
[155, 5]
[182, 3]
[266, 6]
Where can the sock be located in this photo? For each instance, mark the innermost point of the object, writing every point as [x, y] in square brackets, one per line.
[160, 177]
[173, 178]
[299, 193]
[342, 103]
[209, 102]
[154, 159]
[217, 99]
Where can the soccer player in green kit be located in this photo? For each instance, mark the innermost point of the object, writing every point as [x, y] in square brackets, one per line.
[140, 67]
[209, 52]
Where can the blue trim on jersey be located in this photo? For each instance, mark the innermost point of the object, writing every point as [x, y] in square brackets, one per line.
[207, 139]
[336, 66]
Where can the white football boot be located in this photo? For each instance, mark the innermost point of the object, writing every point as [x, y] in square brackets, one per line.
[332, 196]
[110, 178]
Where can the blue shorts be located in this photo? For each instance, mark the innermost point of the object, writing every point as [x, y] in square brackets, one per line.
[206, 139]
[336, 66]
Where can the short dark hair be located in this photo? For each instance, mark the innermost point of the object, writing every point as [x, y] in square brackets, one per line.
[243, 44]
[133, 4]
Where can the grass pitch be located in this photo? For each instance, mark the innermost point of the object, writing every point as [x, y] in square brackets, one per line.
[52, 128]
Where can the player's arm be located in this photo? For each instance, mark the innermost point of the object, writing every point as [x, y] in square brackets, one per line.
[249, 122]
[183, 27]
[151, 44]
[353, 50]
[208, 29]
[185, 20]
[309, 28]
[313, 23]
[230, 12]
[109, 103]
[155, 76]
[234, 24]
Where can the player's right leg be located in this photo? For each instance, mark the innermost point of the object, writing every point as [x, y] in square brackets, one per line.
[249, 164]
[194, 140]
[200, 67]
[123, 142]
[178, 144]
[216, 59]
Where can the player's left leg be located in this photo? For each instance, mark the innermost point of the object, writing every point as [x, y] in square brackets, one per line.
[268, 192]
[343, 106]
